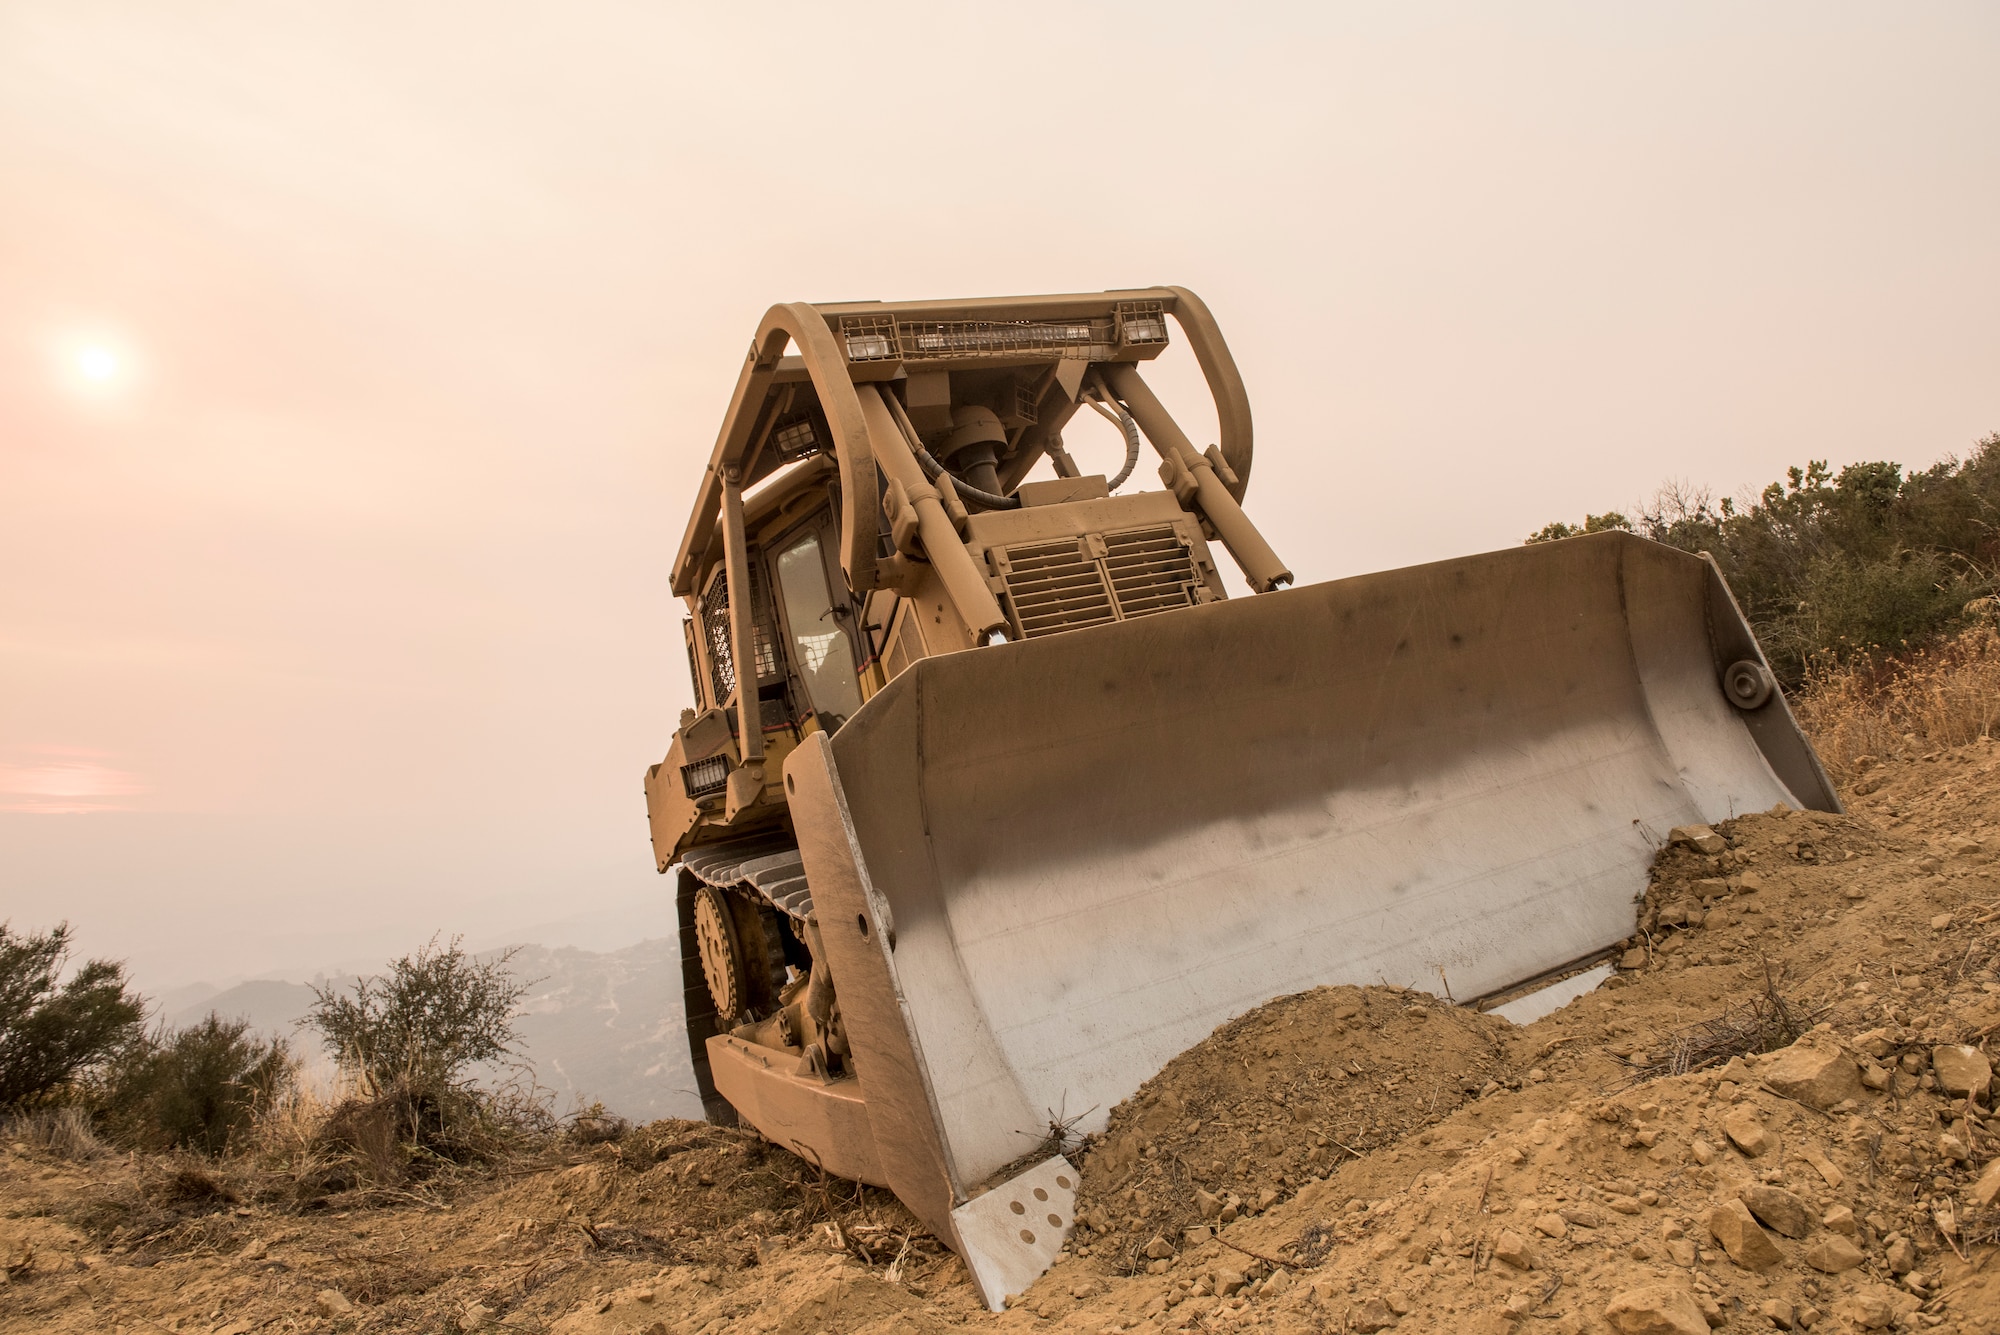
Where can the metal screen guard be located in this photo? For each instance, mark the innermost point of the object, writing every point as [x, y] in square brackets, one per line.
[1096, 847]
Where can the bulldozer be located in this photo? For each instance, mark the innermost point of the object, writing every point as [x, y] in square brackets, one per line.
[993, 801]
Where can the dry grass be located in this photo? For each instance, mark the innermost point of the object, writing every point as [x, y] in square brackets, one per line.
[1762, 1024]
[1947, 695]
[64, 1133]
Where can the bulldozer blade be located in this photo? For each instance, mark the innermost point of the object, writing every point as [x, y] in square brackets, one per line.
[1043, 869]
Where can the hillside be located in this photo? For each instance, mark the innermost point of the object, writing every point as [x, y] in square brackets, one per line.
[1345, 1160]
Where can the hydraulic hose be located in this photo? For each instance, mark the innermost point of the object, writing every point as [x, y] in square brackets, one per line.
[966, 491]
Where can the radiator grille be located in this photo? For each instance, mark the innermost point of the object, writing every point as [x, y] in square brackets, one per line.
[1070, 583]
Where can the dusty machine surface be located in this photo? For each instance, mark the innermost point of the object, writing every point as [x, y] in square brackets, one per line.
[1012, 804]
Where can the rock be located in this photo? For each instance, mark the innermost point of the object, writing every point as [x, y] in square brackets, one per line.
[1703, 1152]
[1681, 1251]
[1952, 1148]
[255, 1251]
[1623, 1204]
[1901, 1256]
[1552, 1226]
[1778, 1312]
[1698, 837]
[1228, 1282]
[1833, 1253]
[1517, 1306]
[1371, 1316]
[1750, 882]
[1841, 1220]
[1399, 1302]
[1266, 1199]
[1280, 1282]
[1581, 1216]
[1871, 1309]
[1159, 1249]
[1514, 1250]
[1749, 1133]
[1822, 1165]
[1737, 1230]
[1656, 1309]
[1634, 958]
[1941, 923]
[1876, 1043]
[1875, 1077]
[332, 1302]
[1711, 1312]
[1987, 1189]
[1207, 1204]
[1961, 1069]
[475, 1317]
[1815, 1072]
[1778, 1208]
[1963, 847]
[1197, 1235]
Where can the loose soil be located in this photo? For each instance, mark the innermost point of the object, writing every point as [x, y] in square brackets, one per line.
[1344, 1160]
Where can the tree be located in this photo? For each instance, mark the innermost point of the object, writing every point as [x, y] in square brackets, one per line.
[436, 1014]
[51, 1032]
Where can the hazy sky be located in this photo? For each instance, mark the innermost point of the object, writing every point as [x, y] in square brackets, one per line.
[357, 361]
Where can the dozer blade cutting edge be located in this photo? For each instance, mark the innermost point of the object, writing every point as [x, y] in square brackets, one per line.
[1010, 804]
[1044, 870]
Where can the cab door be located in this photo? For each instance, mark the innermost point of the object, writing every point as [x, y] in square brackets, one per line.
[819, 622]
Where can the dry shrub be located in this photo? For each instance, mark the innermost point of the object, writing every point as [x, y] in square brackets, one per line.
[1762, 1024]
[62, 1132]
[1945, 695]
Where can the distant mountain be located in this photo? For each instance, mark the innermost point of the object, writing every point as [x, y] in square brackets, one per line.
[596, 1027]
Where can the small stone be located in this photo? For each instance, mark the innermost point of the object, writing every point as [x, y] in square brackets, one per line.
[1634, 958]
[1228, 1282]
[1623, 1204]
[1710, 1311]
[1876, 1043]
[1841, 1220]
[1681, 1251]
[1704, 1153]
[475, 1317]
[1518, 1305]
[1961, 846]
[1871, 1309]
[1951, 1147]
[1581, 1216]
[1399, 1302]
[1513, 1249]
[1875, 1077]
[1815, 1072]
[1159, 1249]
[1698, 837]
[1538, 1075]
[1749, 1133]
[1207, 1203]
[1778, 1312]
[255, 1251]
[1656, 1309]
[1750, 882]
[1941, 923]
[1961, 1069]
[1987, 1189]
[1747, 1243]
[1778, 1208]
[1552, 1226]
[1197, 1236]
[1833, 1253]
[1930, 866]
[1822, 1165]
[1901, 1256]
[332, 1302]
[1279, 1282]
[1266, 1199]
[1371, 1316]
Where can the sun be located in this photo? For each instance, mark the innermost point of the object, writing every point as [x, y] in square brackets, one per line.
[98, 364]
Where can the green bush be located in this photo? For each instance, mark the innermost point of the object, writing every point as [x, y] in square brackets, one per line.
[196, 1088]
[413, 1039]
[1844, 565]
[53, 1032]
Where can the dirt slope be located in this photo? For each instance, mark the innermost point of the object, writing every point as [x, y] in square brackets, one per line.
[1372, 1158]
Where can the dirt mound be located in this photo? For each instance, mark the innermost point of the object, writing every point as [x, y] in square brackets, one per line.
[1394, 1162]
[1274, 1099]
